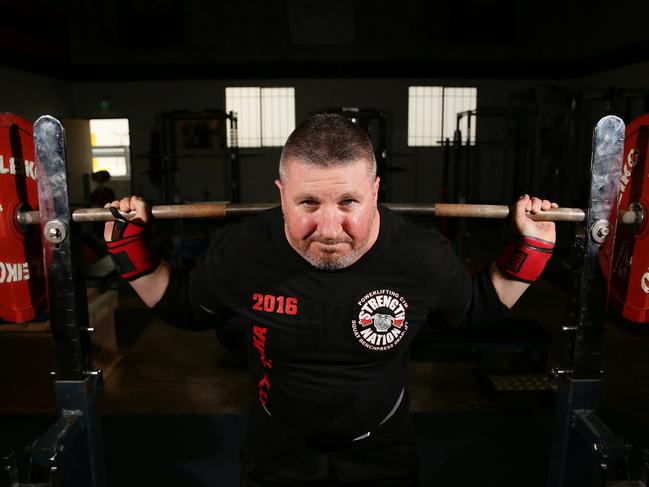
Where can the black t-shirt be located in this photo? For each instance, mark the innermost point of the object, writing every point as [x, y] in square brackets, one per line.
[327, 349]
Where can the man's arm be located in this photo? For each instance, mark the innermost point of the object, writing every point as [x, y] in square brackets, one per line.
[152, 285]
[510, 290]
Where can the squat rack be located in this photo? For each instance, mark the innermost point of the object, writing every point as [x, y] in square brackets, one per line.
[70, 453]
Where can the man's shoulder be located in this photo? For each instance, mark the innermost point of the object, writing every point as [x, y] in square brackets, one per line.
[250, 234]
[418, 249]
[406, 231]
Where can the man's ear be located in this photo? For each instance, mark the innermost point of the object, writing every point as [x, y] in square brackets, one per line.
[278, 183]
[375, 188]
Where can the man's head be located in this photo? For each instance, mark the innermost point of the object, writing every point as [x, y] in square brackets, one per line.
[328, 187]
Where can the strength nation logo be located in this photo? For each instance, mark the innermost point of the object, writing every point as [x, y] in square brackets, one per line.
[381, 320]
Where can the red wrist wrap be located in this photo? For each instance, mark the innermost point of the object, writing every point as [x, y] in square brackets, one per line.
[130, 250]
[524, 258]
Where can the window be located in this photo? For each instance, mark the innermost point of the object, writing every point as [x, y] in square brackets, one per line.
[432, 114]
[110, 142]
[265, 116]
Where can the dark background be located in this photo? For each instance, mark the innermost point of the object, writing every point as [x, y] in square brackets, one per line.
[554, 67]
[551, 68]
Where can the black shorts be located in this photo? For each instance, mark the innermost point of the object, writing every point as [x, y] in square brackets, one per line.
[271, 457]
[411, 480]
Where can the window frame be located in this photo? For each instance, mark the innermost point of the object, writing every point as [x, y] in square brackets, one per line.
[259, 122]
[440, 112]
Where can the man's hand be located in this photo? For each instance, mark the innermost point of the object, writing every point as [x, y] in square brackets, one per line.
[126, 205]
[524, 225]
[127, 240]
[524, 258]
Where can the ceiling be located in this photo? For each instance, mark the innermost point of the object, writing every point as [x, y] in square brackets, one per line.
[172, 39]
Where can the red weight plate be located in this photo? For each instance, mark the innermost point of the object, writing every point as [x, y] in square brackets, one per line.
[22, 280]
[629, 264]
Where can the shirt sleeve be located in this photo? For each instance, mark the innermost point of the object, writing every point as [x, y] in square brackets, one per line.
[195, 299]
[466, 301]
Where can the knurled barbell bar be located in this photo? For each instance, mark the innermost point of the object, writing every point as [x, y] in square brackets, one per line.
[633, 216]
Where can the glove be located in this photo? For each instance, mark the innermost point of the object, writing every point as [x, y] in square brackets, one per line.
[129, 248]
[525, 258]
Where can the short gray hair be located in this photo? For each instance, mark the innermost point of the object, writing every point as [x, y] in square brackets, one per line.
[327, 140]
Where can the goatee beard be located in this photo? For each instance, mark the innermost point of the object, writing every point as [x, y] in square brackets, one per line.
[332, 263]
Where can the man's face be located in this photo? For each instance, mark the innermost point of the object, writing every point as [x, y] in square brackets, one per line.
[330, 214]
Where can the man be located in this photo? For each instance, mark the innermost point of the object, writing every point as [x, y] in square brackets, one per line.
[332, 290]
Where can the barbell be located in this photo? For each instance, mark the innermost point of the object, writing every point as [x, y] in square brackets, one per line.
[22, 276]
[222, 210]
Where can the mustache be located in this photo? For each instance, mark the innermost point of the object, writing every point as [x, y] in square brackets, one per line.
[328, 241]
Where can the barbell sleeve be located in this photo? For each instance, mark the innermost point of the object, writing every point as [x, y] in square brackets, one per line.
[221, 210]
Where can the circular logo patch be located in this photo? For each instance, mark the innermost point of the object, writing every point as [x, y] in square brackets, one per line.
[381, 321]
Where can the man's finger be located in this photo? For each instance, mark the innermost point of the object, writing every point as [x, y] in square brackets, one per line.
[125, 204]
[535, 205]
[528, 203]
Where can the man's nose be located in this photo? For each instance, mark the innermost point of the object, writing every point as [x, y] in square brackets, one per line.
[330, 223]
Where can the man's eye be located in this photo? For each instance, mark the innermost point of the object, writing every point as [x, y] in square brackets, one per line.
[309, 202]
[347, 202]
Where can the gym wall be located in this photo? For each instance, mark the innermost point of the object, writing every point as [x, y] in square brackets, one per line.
[418, 176]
